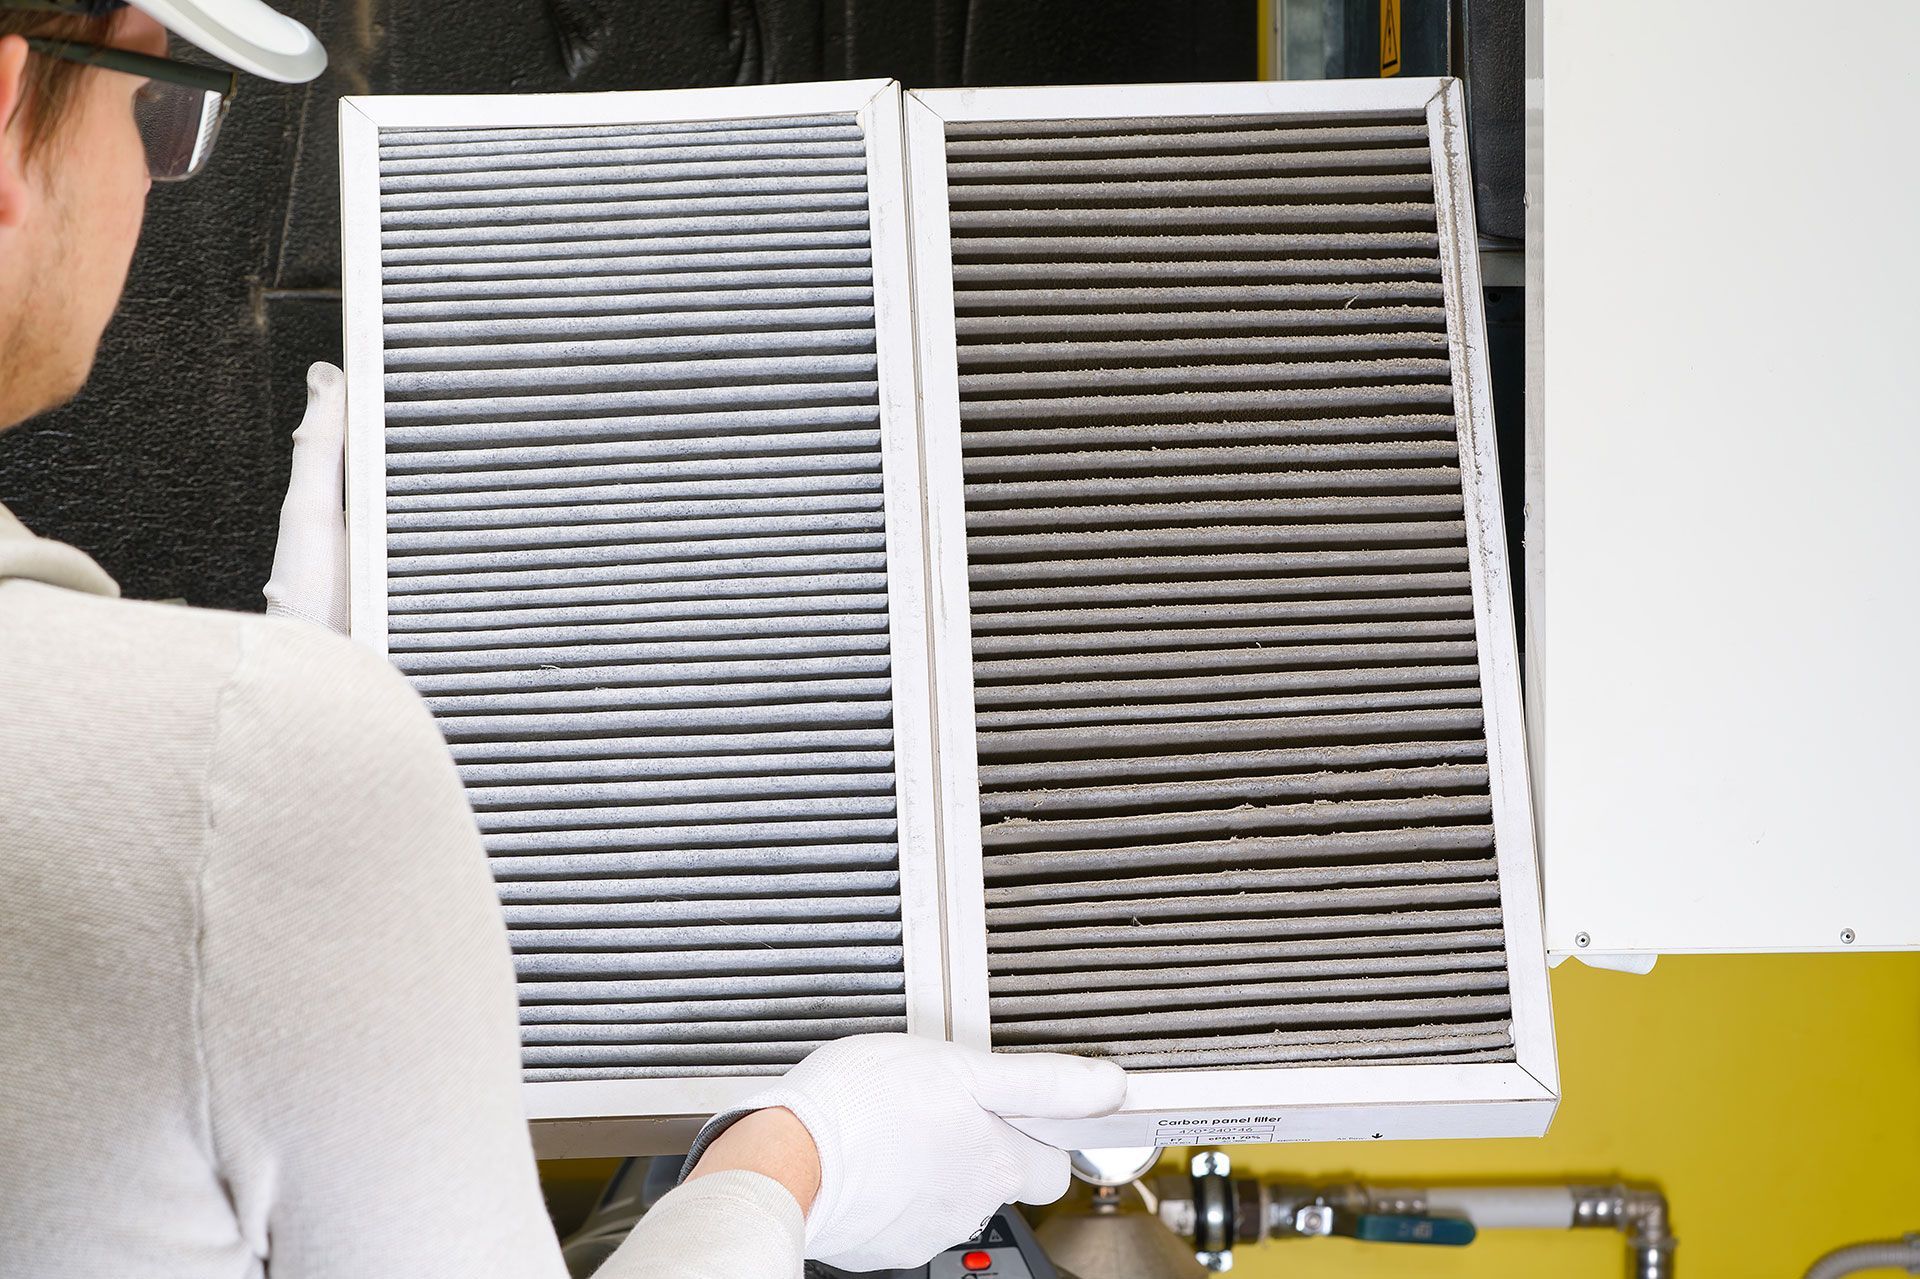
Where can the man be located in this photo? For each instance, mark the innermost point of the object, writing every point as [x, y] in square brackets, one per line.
[256, 1003]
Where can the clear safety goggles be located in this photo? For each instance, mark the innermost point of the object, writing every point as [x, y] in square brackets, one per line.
[178, 110]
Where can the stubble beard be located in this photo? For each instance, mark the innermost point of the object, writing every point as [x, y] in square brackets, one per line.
[44, 358]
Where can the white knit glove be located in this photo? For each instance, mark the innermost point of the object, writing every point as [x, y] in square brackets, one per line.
[310, 560]
[914, 1156]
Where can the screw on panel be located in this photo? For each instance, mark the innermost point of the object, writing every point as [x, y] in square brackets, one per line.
[1846, 936]
[1582, 940]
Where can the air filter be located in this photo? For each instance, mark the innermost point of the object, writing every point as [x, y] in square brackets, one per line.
[1223, 629]
[643, 528]
[1127, 670]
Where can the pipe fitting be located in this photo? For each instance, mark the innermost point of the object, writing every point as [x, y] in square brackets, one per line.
[1214, 1212]
[1639, 1214]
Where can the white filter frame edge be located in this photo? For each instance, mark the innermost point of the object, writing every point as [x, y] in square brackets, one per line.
[910, 657]
[876, 104]
[363, 360]
[1516, 843]
[1504, 1099]
[1281, 99]
[958, 771]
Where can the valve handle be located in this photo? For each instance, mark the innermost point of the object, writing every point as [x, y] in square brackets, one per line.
[1450, 1232]
[1382, 1227]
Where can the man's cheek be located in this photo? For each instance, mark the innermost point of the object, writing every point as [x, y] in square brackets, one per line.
[131, 207]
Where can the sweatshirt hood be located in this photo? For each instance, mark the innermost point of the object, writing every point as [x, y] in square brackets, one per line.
[37, 559]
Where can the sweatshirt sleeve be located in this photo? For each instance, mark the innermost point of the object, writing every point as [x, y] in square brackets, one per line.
[729, 1225]
[358, 1027]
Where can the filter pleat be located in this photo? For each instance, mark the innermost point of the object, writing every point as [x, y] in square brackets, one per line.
[637, 566]
[1236, 800]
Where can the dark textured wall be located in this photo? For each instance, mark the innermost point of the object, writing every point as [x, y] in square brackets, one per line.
[169, 468]
[1491, 58]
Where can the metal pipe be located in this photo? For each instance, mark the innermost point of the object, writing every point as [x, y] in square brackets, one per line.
[1271, 1210]
[1891, 1254]
[1492, 1207]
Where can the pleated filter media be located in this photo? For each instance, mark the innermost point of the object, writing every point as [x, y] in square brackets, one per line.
[637, 565]
[1016, 565]
[1232, 767]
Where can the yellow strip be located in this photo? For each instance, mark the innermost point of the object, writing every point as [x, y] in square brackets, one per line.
[1265, 41]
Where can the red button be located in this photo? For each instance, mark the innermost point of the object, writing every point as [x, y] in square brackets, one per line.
[977, 1260]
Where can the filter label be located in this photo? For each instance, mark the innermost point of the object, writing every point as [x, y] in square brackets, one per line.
[1215, 1130]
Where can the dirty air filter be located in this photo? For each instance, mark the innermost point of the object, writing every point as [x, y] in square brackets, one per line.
[1209, 381]
[1223, 649]
[636, 504]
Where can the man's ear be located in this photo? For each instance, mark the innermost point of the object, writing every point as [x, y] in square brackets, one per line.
[13, 132]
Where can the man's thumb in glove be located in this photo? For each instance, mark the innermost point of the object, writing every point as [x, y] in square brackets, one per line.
[310, 560]
[1046, 1085]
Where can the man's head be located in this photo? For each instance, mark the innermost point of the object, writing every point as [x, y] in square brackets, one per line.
[73, 188]
[74, 169]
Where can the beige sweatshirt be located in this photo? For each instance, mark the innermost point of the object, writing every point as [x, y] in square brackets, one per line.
[256, 1004]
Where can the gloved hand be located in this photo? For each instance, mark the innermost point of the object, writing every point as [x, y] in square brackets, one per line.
[309, 578]
[914, 1154]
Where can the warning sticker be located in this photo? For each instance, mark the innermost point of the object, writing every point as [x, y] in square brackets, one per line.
[1389, 37]
[1216, 1130]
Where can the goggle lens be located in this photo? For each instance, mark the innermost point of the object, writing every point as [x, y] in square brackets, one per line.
[178, 125]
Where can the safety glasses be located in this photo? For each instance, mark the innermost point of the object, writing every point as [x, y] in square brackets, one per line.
[178, 110]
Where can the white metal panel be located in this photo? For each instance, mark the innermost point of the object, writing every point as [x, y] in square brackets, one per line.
[1723, 440]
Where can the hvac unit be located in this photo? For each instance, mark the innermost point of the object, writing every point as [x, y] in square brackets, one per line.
[1017, 565]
